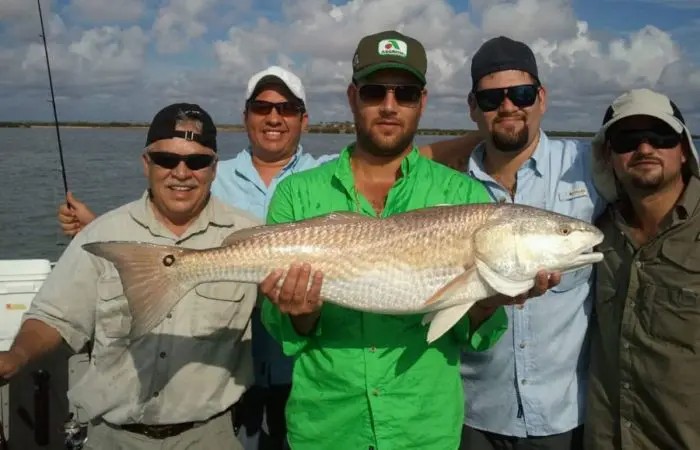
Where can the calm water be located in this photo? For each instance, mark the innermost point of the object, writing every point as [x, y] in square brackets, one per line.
[103, 169]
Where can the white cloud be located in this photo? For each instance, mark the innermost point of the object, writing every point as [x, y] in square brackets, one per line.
[178, 22]
[108, 10]
[205, 50]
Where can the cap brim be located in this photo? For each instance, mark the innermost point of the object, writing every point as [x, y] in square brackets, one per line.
[271, 80]
[389, 65]
[668, 119]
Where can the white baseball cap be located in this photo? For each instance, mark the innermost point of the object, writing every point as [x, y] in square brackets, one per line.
[279, 75]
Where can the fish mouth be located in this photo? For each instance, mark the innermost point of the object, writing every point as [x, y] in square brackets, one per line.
[586, 255]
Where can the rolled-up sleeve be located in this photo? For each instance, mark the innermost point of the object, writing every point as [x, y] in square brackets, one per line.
[66, 300]
[486, 335]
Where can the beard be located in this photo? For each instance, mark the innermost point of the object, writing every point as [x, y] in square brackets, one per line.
[380, 145]
[511, 140]
[649, 179]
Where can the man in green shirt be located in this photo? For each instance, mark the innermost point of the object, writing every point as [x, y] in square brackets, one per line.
[361, 380]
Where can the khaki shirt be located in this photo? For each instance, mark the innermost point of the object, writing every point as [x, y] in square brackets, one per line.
[644, 388]
[194, 364]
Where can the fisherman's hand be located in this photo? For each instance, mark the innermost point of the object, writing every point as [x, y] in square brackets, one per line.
[74, 215]
[293, 297]
[11, 362]
[544, 281]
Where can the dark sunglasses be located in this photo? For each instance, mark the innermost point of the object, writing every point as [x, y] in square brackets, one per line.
[405, 94]
[626, 141]
[521, 96]
[169, 160]
[264, 108]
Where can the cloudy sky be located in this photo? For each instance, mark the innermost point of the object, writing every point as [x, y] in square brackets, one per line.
[124, 59]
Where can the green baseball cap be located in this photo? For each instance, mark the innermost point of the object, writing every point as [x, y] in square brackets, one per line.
[389, 50]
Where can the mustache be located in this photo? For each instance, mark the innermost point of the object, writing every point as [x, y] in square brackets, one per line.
[644, 159]
[503, 116]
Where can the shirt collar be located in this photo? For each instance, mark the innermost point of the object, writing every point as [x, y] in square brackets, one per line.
[535, 162]
[343, 171]
[687, 205]
[244, 161]
[214, 213]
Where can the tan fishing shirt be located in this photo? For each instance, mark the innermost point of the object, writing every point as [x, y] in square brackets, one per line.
[644, 388]
[193, 365]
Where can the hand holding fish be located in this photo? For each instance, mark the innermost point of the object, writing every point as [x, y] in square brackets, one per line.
[544, 281]
[295, 296]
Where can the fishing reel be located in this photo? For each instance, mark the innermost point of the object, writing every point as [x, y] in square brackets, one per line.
[75, 434]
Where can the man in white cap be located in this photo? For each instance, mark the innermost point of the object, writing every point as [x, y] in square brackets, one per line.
[275, 115]
[644, 388]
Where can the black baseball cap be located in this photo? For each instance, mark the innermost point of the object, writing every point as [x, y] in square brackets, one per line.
[502, 53]
[163, 125]
[389, 50]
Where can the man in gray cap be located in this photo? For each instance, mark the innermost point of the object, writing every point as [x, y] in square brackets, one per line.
[644, 390]
[528, 390]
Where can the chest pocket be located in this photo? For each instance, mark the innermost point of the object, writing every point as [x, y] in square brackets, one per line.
[573, 279]
[574, 200]
[676, 316]
[220, 306]
[112, 314]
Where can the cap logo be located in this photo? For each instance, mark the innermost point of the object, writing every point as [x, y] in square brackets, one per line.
[392, 47]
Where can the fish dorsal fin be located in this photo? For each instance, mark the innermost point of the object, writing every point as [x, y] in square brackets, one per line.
[501, 284]
[339, 217]
[456, 283]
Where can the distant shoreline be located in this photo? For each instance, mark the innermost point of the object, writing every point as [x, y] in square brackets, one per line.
[322, 128]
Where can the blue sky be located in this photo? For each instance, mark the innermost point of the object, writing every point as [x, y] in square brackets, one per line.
[124, 60]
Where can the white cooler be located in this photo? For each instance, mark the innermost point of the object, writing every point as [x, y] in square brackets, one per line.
[19, 281]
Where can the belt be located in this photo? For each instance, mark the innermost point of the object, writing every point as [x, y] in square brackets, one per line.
[167, 430]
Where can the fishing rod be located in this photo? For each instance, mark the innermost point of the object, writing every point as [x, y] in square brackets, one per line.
[53, 102]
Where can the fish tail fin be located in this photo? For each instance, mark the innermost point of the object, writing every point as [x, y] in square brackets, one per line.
[151, 276]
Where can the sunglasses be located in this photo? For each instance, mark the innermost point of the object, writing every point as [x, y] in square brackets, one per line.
[264, 108]
[629, 140]
[405, 94]
[521, 96]
[169, 160]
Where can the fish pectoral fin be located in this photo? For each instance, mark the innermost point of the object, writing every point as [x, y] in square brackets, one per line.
[501, 284]
[443, 320]
[456, 283]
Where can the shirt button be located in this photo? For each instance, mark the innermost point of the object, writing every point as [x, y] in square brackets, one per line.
[638, 264]
[626, 385]
[522, 345]
[163, 354]
[626, 345]
[375, 392]
[628, 424]
[169, 316]
[373, 349]
[524, 382]
[156, 394]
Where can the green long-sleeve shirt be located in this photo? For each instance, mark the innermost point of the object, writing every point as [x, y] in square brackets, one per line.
[365, 380]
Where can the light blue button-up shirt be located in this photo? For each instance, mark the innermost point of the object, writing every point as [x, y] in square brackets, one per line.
[238, 183]
[533, 381]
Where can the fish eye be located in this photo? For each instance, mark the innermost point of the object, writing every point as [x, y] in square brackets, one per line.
[565, 230]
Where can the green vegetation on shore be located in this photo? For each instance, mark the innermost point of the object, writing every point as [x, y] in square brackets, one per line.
[322, 128]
